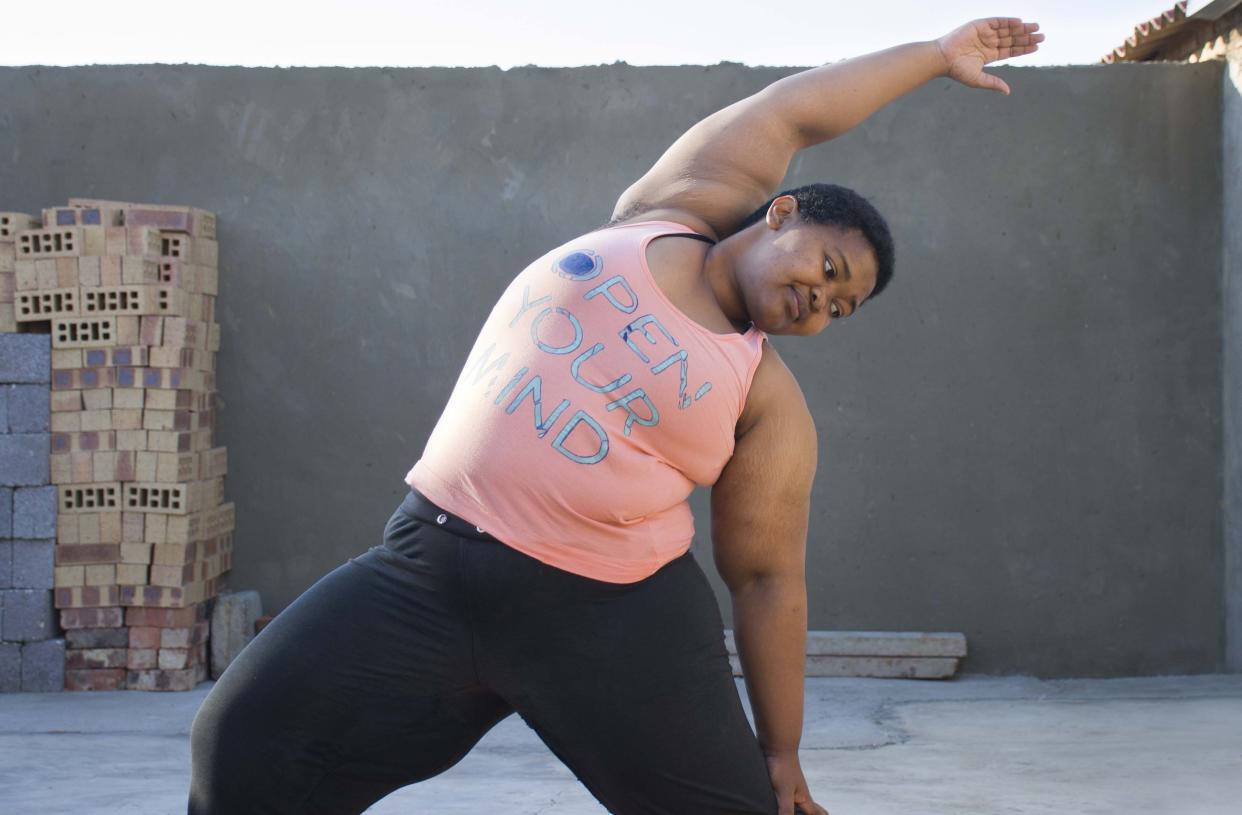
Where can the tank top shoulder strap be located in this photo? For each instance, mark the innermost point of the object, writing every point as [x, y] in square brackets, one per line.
[661, 229]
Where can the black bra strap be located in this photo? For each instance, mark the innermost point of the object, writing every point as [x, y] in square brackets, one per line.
[689, 235]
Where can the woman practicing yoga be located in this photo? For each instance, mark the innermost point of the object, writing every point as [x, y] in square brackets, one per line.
[540, 563]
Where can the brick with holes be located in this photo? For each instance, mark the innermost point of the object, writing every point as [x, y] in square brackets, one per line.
[57, 241]
[13, 222]
[84, 332]
[172, 499]
[46, 304]
[96, 497]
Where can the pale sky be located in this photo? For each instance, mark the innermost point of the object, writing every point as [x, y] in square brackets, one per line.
[554, 33]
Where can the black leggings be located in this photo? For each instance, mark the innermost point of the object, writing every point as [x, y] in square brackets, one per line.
[392, 666]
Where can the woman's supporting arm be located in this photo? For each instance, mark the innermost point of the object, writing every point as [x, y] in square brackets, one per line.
[760, 506]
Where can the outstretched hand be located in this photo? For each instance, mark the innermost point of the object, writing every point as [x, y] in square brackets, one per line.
[968, 48]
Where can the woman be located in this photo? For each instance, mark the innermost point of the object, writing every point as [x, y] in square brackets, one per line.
[540, 563]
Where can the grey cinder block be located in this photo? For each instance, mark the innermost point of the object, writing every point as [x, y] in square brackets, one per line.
[232, 627]
[34, 512]
[28, 615]
[4, 408]
[32, 566]
[6, 512]
[43, 666]
[24, 458]
[29, 408]
[10, 667]
[25, 358]
[6, 564]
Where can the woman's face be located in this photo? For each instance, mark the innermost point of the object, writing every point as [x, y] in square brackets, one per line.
[798, 277]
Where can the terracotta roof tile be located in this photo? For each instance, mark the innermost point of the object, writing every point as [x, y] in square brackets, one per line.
[1148, 35]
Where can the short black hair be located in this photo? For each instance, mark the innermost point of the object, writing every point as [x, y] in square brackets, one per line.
[841, 206]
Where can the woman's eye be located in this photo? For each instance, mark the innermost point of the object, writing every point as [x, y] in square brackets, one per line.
[831, 272]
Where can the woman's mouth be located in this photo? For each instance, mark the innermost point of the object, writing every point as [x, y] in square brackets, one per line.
[795, 304]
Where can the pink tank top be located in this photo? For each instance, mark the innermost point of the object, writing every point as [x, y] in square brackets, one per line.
[588, 410]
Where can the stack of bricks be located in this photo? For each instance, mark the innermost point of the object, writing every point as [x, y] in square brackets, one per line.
[32, 655]
[10, 222]
[143, 533]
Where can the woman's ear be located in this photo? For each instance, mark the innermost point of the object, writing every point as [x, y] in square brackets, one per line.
[782, 208]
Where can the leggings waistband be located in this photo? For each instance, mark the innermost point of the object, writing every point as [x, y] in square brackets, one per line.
[417, 505]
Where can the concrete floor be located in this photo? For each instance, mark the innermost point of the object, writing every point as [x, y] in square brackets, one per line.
[975, 744]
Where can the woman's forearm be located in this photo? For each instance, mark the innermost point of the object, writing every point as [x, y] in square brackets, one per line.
[824, 102]
[769, 627]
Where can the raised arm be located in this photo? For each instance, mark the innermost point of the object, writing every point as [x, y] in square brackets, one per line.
[723, 168]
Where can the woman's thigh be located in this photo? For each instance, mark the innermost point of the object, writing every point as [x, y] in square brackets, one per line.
[364, 684]
[630, 686]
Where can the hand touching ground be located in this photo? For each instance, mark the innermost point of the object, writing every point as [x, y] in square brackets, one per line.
[790, 786]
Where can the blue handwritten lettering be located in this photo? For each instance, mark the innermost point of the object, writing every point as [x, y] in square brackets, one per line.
[583, 357]
[559, 442]
[605, 289]
[624, 402]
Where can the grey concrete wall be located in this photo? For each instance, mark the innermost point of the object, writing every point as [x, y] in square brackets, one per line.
[1231, 223]
[1021, 440]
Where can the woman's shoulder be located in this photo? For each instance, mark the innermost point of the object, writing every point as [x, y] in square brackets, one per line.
[640, 214]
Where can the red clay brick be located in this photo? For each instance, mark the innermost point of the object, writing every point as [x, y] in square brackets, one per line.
[92, 618]
[101, 679]
[82, 658]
